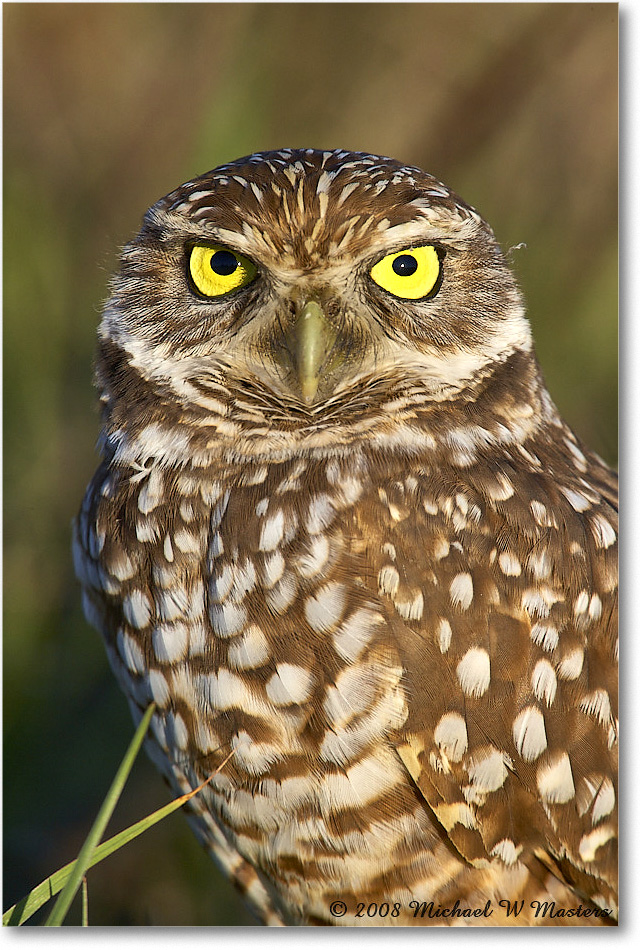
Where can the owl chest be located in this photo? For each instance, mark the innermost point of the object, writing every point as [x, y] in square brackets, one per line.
[250, 589]
[263, 642]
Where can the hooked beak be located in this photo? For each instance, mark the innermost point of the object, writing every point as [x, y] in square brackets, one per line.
[309, 342]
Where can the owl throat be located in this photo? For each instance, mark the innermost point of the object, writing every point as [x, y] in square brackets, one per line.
[207, 419]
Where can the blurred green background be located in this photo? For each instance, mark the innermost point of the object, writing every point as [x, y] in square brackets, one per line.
[108, 107]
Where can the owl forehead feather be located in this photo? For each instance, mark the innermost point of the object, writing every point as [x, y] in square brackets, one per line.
[318, 201]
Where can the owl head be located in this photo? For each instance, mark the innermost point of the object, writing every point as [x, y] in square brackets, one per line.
[289, 288]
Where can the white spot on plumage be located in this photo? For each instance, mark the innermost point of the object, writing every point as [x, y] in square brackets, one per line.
[388, 580]
[346, 191]
[537, 601]
[545, 636]
[273, 567]
[501, 489]
[602, 531]
[473, 672]
[159, 688]
[227, 619]
[579, 459]
[506, 851]
[120, 565]
[529, 733]
[96, 536]
[595, 607]
[594, 840]
[542, 516]
[187, 542]
[250, 651]
[451, 736]
[598, 705]
[130, 652]
[255, 476]
[604, 801]
[353, 692]
[458, 813]
[253, 757]
[196, 603]
[430, 507]
[324, 609]
[176, 731]
[219, 509]
[152, 493]
[544, 682]
[137, 609]
[349, 489]
[290, 685]
[489, 773]
[442, 549]
[216, 546]
[200, 637]
[581, 603]
[221, 584]
[147, 531]
[411, 609]
[555, 780]
[509, 564]
[342, 744]
[157, 442]
[244, 580]
[205, 738]
[461, 591]
[272, 531]
[262, 506]
[315, 558]
[291, 482]
[570, 667]
[464, 442]
[171, 603]
[321, 513]
[226, 690]
[577, 500]
[170, 642]
[355, 633]
[444, 633]
[183, 685]
[168, 550]
[462, 502]
[538, 563]
[283, 594]
[367, 780]
[325, 181]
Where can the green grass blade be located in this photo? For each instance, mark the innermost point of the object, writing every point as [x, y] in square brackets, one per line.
[28, 906]
[83, 860]
[85, 903]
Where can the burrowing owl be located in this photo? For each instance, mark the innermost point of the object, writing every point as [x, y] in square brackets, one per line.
[343, 540]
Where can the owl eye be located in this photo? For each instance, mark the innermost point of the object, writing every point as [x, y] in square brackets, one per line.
[410, 274]
[216, 271]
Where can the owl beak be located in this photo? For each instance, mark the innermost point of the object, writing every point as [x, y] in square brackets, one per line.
[311, 340]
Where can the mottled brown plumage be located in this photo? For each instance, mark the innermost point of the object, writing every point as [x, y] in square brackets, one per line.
[341, 532]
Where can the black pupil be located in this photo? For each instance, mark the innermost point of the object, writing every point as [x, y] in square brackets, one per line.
[224, 263]
[404, 265]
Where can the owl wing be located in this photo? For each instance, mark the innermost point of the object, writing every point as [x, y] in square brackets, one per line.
[501, 599]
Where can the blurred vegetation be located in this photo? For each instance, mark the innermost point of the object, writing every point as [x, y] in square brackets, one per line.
[109, 106]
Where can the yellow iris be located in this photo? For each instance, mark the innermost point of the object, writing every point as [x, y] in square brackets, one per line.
[410, 274]
[217, 270]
